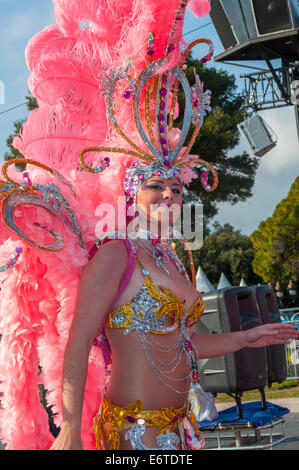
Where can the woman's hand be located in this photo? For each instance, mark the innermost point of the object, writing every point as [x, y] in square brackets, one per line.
[67, 439]
[270, 333]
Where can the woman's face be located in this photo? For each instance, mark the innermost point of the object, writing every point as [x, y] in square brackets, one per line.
[159, 201]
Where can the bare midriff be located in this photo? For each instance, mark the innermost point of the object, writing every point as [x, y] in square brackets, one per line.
[133, 377]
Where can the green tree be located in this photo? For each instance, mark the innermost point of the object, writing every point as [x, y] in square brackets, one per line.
[13, 152]
[224, 250]
[217, 137]
[276, 241]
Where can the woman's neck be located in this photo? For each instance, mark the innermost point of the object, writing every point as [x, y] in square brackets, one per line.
[158, 234]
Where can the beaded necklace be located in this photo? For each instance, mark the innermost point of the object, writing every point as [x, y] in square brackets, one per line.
[161, 251]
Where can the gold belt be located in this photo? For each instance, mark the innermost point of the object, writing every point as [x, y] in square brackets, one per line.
[117, 418]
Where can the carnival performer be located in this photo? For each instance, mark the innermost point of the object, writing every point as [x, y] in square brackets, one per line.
[149, 330]
[103, 315]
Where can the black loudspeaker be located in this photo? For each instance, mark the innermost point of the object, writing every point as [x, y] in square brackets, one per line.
[226, 310]
[272, 15]
[243, 24]
[269, 312]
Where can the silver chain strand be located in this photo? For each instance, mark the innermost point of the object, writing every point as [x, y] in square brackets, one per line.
[160, 374]
[165, 348]
[167, 363]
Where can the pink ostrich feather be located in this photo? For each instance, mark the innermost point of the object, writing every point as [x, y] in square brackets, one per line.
[38, 295]
[199, 7]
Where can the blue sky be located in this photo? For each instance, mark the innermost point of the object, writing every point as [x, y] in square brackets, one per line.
[20, 20]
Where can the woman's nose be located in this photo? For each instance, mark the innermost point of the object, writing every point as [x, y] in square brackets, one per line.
[167, 194]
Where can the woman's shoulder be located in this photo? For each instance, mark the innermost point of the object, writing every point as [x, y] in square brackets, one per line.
[114, 250]
[110, 258]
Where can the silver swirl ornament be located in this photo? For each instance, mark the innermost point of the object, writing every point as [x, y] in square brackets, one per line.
[16, 194]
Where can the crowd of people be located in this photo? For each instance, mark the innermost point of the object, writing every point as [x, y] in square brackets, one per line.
[286, 294]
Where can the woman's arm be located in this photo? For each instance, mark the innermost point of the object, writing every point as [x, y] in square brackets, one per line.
[97, 289]
[213, 345]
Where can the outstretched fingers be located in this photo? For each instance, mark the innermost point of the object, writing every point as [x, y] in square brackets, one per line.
[283, 331]
[271, 333]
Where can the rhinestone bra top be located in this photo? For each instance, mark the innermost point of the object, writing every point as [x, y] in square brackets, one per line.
[154, 309]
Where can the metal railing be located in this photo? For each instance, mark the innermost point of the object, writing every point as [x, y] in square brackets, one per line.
[291, 315]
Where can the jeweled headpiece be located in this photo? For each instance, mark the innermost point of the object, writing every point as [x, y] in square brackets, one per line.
[159, 83]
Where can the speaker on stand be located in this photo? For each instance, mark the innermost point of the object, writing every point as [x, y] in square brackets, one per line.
[262, 30]
[276, 354]
[260, 137]
[226, 310]
[244, 24]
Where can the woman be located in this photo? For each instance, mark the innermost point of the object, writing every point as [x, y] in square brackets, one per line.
[134, 288]
[136, 374]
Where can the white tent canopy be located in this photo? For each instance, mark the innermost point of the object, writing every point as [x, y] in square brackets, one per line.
[223, 282]
[243, 283]
[203, 284]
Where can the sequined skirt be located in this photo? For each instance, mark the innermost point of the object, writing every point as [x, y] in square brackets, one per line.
[176, 428]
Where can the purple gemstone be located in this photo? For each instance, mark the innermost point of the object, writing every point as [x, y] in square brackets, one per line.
[162, 105]
[163, 141]
[162, 129]
[150, 51]
[127, 94]
[161, 117]
[131, 419]
[107, 159]
[167, 163]
[165, 152]
[19, 250]
[163, 91]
